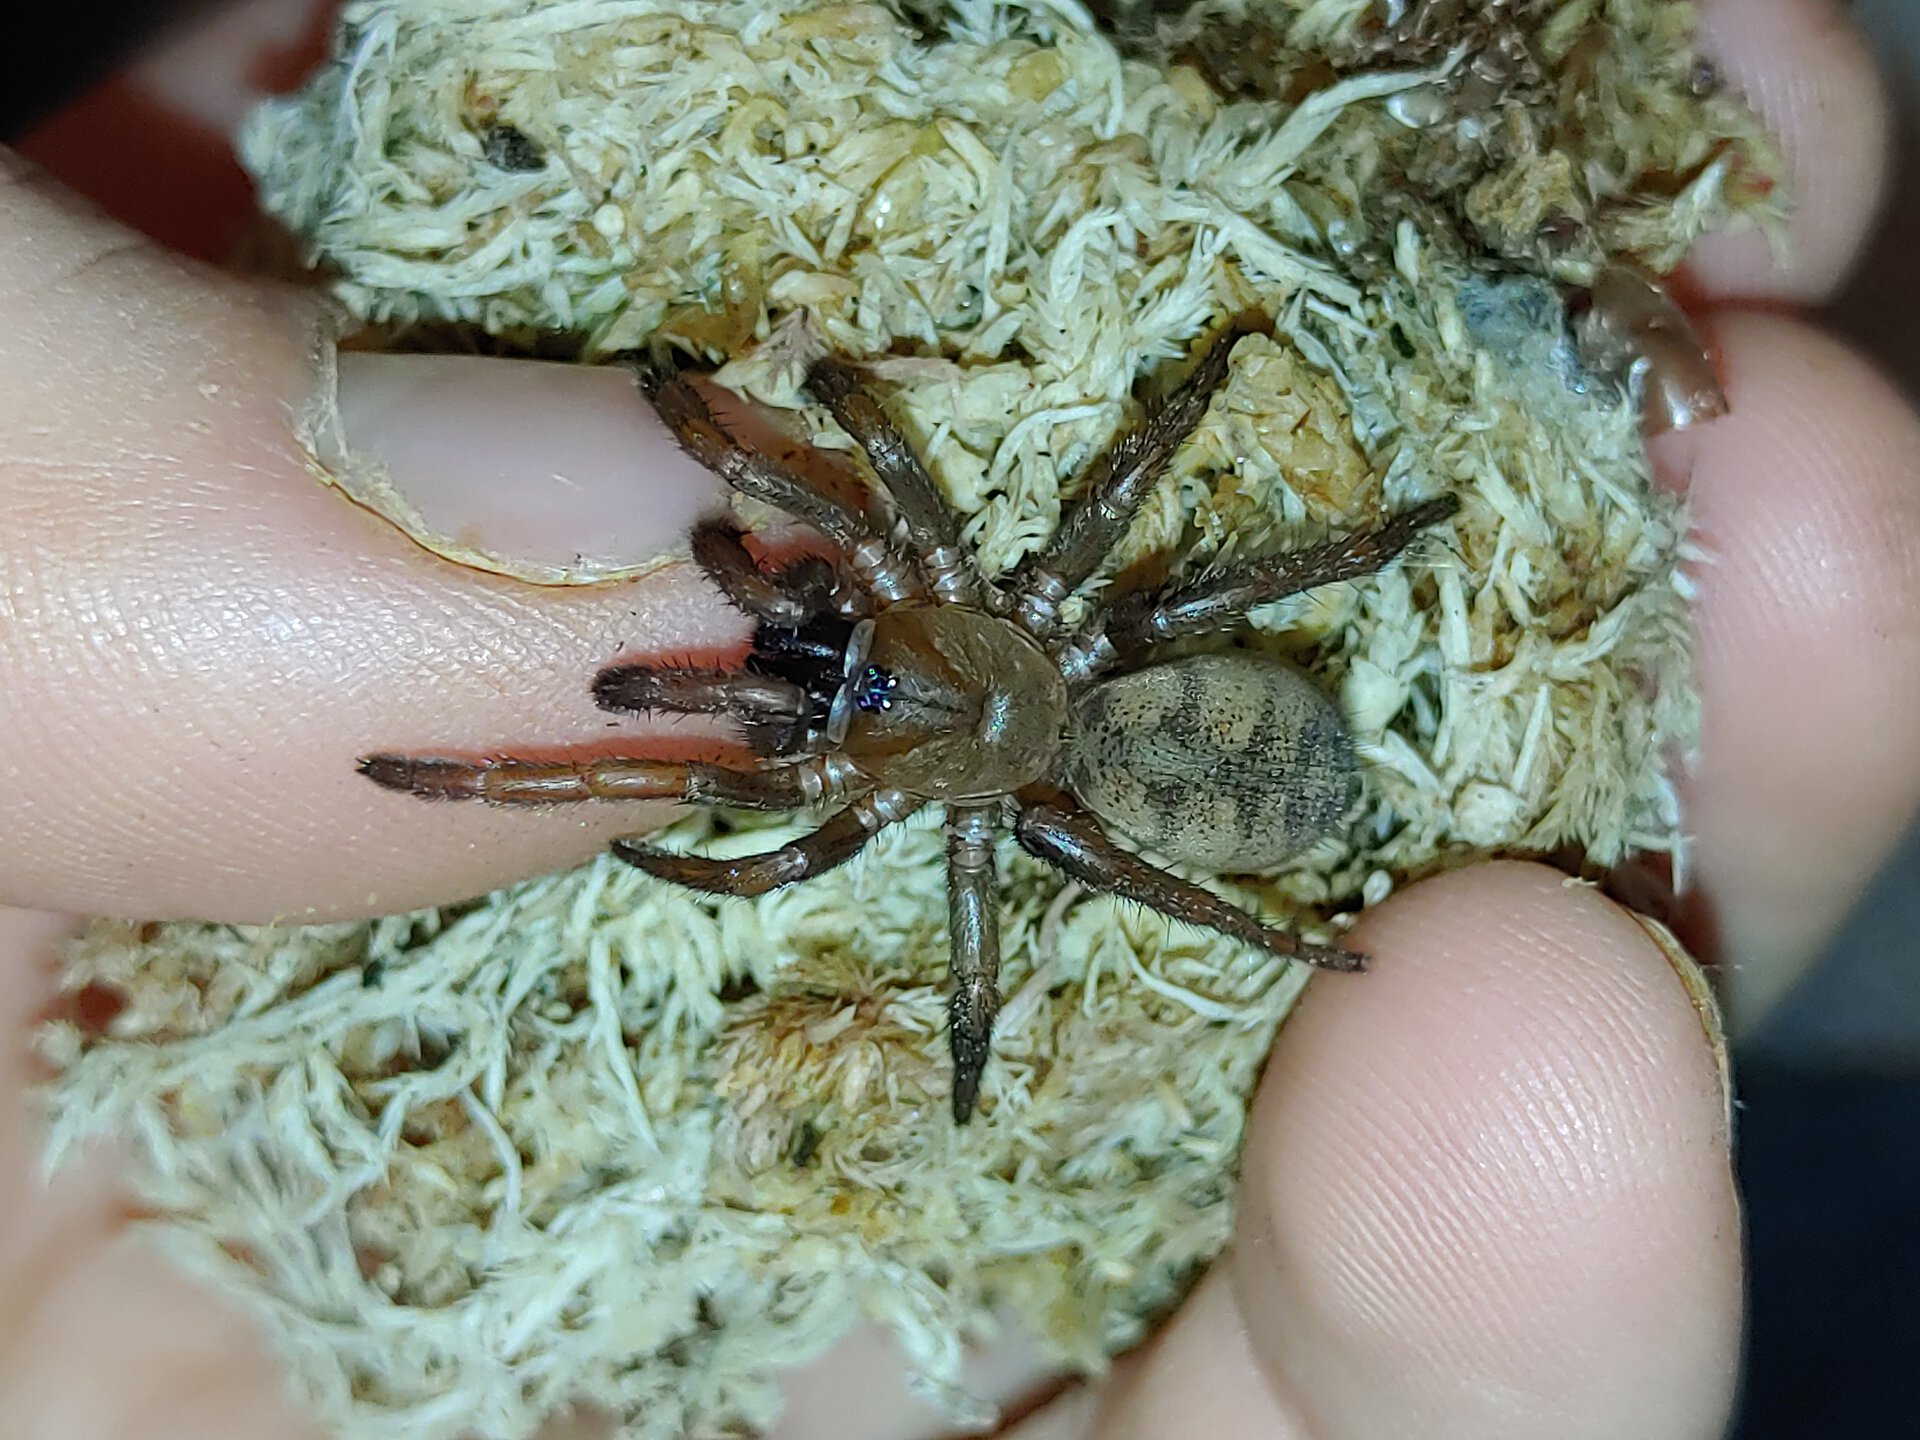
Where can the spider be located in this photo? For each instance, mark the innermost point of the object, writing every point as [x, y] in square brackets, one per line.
[898, 676]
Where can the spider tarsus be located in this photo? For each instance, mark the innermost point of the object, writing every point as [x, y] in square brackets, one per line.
[745, 875]
[973, 944]
[624, 688]
[830, 381]
[1291, 947]
[650, 372]
[628, 689]
[1428, 513]
[969, 1065]
[970, 1016]
[1331, 957]
[423, 775]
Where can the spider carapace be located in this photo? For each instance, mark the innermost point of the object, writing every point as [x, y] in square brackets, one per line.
[898, 676]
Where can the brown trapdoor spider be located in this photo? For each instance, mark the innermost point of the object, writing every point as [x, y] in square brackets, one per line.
[901, 677]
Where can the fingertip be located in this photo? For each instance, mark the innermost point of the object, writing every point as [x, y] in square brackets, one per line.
[1488, 1187]
[209, 636]
[1202, 1376]
[1806, 69]
[1807, 511]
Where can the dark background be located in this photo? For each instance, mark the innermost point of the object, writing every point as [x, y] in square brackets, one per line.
[1829, 1080]
[75, 46]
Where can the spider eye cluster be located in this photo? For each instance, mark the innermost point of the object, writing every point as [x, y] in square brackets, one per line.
[873, 691]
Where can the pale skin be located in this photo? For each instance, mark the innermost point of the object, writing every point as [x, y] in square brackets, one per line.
[1488, 1190]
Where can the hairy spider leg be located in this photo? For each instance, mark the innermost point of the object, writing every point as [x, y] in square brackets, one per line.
[861, 533]
[1052, 828]
[788, 596]
[973, 929]
[933, 529]
[1221, 600]
[1114, 489]
[772, 712]
[510, 781]
[837, 841]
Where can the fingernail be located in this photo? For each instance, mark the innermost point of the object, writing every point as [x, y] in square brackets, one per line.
[1706, 1004]
[553, 473]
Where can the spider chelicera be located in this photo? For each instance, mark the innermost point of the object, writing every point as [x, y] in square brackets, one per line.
[898, 676]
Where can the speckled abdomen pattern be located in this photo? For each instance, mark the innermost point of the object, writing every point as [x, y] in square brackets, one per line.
[1231, 762]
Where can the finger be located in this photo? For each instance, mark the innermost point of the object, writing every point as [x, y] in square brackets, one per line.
[153, 143]
[201, 638]
[81, 1299]
[1807, 70]
[1806, 500]
[1487, 1193]
[181, 1364]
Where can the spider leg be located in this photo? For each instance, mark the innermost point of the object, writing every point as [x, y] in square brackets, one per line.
[834, 843]
[973, 927]
[1055, 830]
[1221, 600]
[773, 712]
[1115, 489]
[788, 596]
[932, 527]
[507, 781]
[862, 532]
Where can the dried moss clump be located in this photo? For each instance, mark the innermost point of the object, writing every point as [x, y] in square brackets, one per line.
[597, 1140]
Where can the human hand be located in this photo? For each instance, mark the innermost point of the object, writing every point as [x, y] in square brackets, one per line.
[1488, 1190]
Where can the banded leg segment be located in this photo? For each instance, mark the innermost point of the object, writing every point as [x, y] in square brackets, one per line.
[560, 782]
[973, 928]
[1055, 830]
[932, 527]
[834, 843]
[860, 531]
[1115, 490]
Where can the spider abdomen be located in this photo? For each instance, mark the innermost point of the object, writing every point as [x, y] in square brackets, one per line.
[1229, 762]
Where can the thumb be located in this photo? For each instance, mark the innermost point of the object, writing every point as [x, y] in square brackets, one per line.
[1487, 1194]
[199, 634]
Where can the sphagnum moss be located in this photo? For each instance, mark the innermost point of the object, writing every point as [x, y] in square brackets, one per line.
[601, 1140]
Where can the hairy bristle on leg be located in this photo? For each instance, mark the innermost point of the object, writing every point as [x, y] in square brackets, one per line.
[1115, 489]
[973, 924]
[1053, 829]
[932, 527]
[510, 781]
[834, 843]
